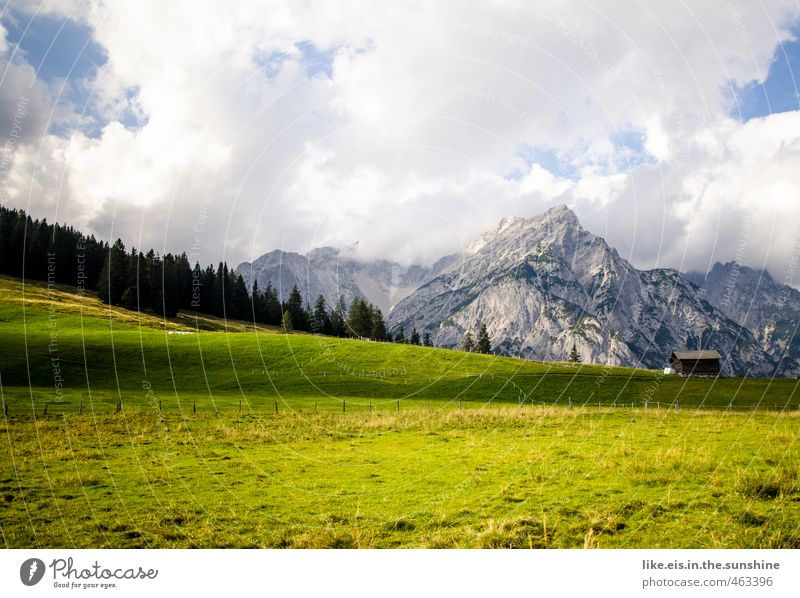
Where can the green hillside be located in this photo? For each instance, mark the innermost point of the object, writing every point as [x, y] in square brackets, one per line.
[437, 448]
[104, 357]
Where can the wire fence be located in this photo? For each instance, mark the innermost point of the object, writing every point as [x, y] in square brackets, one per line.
[328, 405]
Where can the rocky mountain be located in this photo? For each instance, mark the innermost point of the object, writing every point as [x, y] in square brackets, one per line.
[544, 283]
[333, 273]
[751, 298]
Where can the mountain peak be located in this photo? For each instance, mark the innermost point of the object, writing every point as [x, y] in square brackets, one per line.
[561, 213]
[719, 269]
[323, 253]
[557, 223]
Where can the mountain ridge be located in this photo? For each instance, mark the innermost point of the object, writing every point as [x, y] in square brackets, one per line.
[544, 283]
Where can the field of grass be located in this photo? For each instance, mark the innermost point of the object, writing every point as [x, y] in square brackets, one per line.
[230, 435]
[540, 477]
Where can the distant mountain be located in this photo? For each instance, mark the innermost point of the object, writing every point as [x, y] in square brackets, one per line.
[332, 273]
[541, 284]
[544, 283]
[752, 299]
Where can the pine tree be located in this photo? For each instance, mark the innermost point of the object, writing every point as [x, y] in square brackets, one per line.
[359, 319]
[152, 272]
[218, 291]
[183, 281]
[143, 276]
[207, 292]
[400, 336]
[483, 345]
[378, 328]
[294, 305]
[169, 287]
[272, 306]
[256, 303]
[113, 279]
[241, 308]
[468, 344]
[339, 318]
[574, 356]
[321, 322]
[130, 298]
[426, 340]
[414, 340]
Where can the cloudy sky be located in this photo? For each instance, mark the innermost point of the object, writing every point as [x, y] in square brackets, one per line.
[231, 128]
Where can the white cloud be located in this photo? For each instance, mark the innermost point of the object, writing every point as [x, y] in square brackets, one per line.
[418, 123]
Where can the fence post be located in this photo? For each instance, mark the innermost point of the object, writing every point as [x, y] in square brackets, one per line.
[398, 404]
[276, 406]
[5, 409]
[460, 408]
[80, 408]
[344, 406]
[194, 407]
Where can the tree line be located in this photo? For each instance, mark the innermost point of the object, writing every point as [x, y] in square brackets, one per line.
[147, 281]
[481, 345]
[166, 284]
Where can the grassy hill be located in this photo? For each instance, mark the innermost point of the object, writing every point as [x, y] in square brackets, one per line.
[433, 450]
[104, 356]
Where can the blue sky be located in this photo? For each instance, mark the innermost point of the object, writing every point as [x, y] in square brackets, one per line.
[779, 93]
[55, 47]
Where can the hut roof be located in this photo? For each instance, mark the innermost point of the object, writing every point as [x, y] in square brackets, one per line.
[691, 355]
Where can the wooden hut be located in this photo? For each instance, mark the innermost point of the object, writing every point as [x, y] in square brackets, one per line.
[696, 363]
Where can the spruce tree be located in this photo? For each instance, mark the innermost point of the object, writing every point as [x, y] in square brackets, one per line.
[483, 345]
[378, 331]
[400, 336]
[339, 318]
[574, 356]
[359, 320]
[256, 303]
[113, 279]
[183, 281]
[294, 305]
[468, 344]
[414, 340]
[152, 272]
[241, 308]
[426, 340]
[218, 291]
[321, 322]
[130, 298]
[272, 306]
[169, 281]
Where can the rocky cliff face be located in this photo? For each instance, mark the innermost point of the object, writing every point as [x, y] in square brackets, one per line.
[751, 298]
[542, 284]
[328, 272]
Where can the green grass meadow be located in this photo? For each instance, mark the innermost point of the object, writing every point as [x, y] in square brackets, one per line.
[124, 430]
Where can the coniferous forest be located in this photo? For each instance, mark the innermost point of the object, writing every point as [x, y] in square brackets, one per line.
[166, 284]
